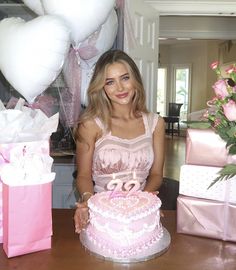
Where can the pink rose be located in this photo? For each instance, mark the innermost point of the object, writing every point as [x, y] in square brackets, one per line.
[229, 70]
[231, 159]
[230, 110]
[214, 65]
[220, 88]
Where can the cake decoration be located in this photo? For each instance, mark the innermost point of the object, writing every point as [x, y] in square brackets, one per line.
[124, 223]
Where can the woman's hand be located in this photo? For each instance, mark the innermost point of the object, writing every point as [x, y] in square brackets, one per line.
[81, 216]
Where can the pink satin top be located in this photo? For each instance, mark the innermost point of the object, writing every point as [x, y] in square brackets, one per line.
[121, 158]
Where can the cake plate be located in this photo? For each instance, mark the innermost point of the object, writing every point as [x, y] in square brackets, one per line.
[154, 251]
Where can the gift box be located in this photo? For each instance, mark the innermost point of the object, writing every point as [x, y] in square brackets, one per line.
[205, 147]
[195, 180]
[206, 218]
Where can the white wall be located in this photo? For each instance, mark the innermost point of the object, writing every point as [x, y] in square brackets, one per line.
[199, 54]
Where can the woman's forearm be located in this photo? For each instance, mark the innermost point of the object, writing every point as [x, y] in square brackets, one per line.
[84, 187]
[153, 182]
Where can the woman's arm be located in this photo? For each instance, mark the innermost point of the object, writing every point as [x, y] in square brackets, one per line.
[154, 179]
[84, 158]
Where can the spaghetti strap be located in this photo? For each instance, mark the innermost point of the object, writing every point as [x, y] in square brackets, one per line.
[152, 121]
[99, 123]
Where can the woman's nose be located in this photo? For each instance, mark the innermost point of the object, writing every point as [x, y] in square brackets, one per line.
[119, 86]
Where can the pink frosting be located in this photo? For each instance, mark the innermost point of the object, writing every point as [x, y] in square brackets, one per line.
[123, 226]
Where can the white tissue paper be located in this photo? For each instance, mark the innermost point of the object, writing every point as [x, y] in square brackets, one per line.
[24, 145]
[23, 124]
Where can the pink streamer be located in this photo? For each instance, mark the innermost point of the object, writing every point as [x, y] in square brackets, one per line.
[70, 97]
[88, 48]
[120, 3]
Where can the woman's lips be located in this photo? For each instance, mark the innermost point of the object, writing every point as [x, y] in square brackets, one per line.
[124, 95]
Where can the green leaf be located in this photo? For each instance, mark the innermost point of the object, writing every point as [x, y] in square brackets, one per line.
[234, 96]
[232, 149]
[227, 172]
[231, 131]
[198, 124]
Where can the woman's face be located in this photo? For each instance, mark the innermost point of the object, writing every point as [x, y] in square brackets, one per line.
[119, 86]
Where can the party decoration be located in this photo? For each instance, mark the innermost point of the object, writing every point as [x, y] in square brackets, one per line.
[82, 17]
[32, 53]
[70, 96]
[92, 48]
[35, 5]
[101, 40]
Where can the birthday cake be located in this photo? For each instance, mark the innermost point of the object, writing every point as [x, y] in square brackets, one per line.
[125, 226]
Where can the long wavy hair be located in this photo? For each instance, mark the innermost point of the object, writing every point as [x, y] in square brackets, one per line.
[99, 104]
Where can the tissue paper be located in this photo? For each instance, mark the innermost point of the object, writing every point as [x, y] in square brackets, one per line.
[24, 124]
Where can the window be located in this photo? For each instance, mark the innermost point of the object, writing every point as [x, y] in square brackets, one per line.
[174, 86]
[181, 88]
[161, 90]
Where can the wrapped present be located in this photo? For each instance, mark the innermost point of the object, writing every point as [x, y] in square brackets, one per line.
[25, 170]
[195, 180]
[205, 147]
[206, 218]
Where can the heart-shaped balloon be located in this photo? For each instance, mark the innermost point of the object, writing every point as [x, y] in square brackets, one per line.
[101, 40]
[92, 48]
[83, 17]
[32, 53]
[35, 5]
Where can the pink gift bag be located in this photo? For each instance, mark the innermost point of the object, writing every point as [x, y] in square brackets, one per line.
[1, 229]
[27, 219]
[206, 218]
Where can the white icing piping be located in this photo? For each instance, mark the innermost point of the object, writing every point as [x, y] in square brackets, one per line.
[125, 233]
[113, 215]
[126, 252]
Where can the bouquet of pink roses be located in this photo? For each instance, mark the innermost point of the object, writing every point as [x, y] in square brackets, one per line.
[221, 115]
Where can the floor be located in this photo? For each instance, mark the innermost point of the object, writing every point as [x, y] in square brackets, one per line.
[175, 158]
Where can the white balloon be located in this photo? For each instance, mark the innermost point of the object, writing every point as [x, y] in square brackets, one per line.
[32, 53]
[92, 48]
[35, 5]
[83, 17]
[102, 40]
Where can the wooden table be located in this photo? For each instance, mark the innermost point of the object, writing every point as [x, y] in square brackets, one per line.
[185, 252]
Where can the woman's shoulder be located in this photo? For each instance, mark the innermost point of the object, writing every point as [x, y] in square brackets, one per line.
[89, 127]
[154, 120]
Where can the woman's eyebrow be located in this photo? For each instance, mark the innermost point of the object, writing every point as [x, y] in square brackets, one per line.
[120, 76]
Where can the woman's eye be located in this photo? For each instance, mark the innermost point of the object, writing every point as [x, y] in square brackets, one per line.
[125, 78]
[109, 83]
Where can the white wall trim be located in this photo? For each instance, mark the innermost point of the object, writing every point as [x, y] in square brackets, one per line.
[186, 7]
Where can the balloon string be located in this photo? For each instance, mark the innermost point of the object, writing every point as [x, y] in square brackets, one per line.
[64, 111]
[44, 11]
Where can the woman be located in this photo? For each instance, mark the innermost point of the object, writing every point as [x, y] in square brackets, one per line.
[116, 136]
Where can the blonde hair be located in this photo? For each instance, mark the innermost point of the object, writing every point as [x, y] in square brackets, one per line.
[98, 103]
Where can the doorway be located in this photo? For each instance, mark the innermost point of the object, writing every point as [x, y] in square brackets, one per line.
[181, 88]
